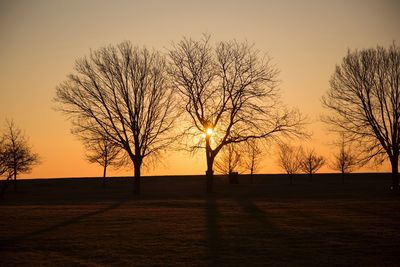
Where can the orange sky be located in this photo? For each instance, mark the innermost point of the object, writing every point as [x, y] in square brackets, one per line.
[40, 40]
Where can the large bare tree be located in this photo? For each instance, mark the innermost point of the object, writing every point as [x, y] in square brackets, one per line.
[123, 92]
[229, 93]
[364, 98]
[16, 155]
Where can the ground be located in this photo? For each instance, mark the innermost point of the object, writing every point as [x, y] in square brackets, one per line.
[77, 222]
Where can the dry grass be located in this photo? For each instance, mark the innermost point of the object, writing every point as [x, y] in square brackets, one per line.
[76, 222]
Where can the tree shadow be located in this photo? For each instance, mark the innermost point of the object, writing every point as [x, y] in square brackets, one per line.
[258, 214]
[74, 220]
[214, 241]
[263, 240]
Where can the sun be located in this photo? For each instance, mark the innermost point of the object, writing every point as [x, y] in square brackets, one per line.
[209, 131]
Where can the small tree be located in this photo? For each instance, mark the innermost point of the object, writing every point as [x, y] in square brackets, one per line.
[290, 159]
[251, 157]
[16, 154]
[228, 160]
[3, 168]
[311, 162]
[103, 151]
[344, 160]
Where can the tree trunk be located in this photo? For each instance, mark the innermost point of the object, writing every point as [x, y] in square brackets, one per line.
[15, 180]
[395, 174]
[136, 181]
[4, 187]
[210, 175]
[342, 177]
[210, 163]
[291, 178]
[104, 175]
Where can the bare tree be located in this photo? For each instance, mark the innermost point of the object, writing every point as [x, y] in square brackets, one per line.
[103, 151]
[228, 161]
[344, 160]
[290, 159]
[311, 162]
[123, 91]
[3, 167]
[230, 96]
[16, 155]
[364, 97]
[251, 157]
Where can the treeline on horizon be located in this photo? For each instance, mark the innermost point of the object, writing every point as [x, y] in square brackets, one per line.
[129, 105]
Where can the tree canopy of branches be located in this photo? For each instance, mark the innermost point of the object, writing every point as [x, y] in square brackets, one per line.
[364, 98]
[123, 92]
[311, 162]
[229, 93]
[290, 159]
[16, 156]
[344, 161]
[229, 160]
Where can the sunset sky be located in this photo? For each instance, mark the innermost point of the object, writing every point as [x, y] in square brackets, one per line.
[40, 40]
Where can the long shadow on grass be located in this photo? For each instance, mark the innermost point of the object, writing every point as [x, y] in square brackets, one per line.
[213, 235]
[260, 239]
[74, 220]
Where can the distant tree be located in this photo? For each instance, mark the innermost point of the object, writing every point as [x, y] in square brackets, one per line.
[290, 159]
[251, 157]
[3, 167]
[123, 91]
[310, 162]
[229, 94]
[364, 97]
[228, 161]
[344, 160]
[16, 155]
[105, 152]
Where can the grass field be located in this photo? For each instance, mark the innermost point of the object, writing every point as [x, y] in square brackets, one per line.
[77, 222]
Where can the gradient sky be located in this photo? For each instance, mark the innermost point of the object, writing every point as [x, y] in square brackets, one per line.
[40, 40]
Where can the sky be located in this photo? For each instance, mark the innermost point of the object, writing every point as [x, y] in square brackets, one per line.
[40, 41]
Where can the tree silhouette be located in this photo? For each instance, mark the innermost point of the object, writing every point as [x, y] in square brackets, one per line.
[344, 161]
[103, 151]
[310, 162]
[16, 156]
[364, 98]
[229, 94]
[3, 167]
[228, 160]
[251, 157]
[123, 91]
[290, 159]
